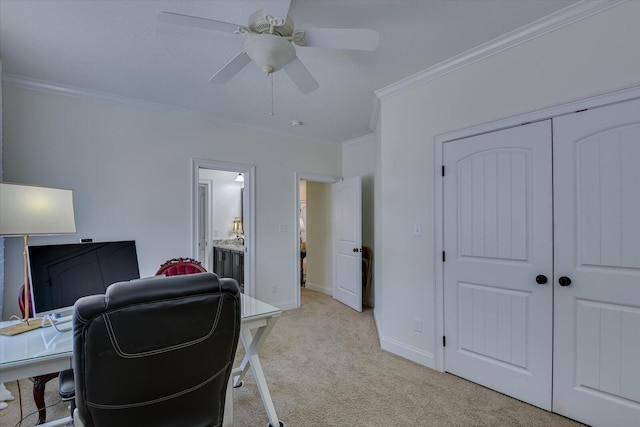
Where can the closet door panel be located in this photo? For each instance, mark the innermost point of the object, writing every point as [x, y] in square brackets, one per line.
[597, 246]
[498, 218]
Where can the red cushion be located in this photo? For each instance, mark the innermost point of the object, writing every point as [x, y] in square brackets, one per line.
[178, 266]
[181, 269]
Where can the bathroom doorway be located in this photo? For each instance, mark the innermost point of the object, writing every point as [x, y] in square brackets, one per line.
[223, 219]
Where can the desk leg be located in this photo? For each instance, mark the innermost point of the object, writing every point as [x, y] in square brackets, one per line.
[252, 344]
[227, 421]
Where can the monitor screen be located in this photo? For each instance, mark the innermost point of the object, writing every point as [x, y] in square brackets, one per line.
[60, 274]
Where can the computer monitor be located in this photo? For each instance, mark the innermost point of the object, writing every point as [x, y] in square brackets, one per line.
[60, 274]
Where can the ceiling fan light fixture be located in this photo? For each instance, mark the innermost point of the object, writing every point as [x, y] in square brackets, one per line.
[270, 52]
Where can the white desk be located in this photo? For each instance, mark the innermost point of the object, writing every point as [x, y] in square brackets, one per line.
[46, 350]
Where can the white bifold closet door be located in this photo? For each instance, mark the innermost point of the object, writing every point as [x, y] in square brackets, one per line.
[596, 372]
[571, 343]
[498, 240]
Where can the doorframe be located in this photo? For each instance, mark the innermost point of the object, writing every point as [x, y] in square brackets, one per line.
[601, 99]
[249, 207]
[208, 185]
[313, 177]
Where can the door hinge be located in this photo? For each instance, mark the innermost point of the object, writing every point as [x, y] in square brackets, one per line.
[442, 170]
[444, 256]
[444, 341]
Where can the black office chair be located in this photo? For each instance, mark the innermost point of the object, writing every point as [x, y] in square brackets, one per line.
[155, 352]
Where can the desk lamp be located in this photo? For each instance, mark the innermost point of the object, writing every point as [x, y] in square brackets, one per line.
[31, 210]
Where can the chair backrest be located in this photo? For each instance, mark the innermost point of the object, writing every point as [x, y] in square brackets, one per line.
[21, 301]
[367, 262]
[179, 266]
[157, 351]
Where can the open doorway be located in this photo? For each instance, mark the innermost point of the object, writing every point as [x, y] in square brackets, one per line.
[313, 235]
[329, 236]
[223, 220]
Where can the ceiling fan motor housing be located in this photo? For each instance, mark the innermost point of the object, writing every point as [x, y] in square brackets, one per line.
[259, 22]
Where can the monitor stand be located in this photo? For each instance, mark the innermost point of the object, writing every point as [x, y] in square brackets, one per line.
[61, 324]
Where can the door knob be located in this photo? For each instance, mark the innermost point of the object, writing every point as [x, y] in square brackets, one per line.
[541, 279]
[564, 281]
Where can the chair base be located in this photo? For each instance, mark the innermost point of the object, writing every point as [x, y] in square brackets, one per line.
[66, 421]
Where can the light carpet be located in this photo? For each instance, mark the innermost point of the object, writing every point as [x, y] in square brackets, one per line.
[324, 367]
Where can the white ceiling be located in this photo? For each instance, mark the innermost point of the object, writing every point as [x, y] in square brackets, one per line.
[118, 48]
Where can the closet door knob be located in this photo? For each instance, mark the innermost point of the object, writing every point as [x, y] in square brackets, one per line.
[564, 281]
[541, 279]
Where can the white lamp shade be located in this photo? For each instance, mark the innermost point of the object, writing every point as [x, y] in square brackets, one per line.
[30, 210]
[270, 52]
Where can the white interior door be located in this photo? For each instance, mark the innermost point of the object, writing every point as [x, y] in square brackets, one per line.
[497, 241]
[347, 242]
[596, 372]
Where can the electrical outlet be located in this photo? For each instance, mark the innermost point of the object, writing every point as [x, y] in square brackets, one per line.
[417, 230]
[283, 228]
[274, 288]
[216, 233]
[418, 325]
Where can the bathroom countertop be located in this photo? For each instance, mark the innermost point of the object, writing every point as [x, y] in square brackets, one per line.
[229, 244]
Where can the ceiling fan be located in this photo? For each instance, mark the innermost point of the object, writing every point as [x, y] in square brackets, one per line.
[269, 42]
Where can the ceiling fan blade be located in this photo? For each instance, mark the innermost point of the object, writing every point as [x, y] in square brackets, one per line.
[301, 76]
[339, 38]
[279, 10]
[230, 69]
[194, 21]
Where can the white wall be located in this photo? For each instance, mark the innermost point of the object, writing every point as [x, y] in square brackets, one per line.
[594, 55]
[130, 169]
[359, 159]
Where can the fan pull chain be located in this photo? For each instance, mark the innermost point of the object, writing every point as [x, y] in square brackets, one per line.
[271, 112]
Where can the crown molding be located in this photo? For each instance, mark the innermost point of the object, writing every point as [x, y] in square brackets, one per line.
[561, 18]
[363, 138]
[59, 89]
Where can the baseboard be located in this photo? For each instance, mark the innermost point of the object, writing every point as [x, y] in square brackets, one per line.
[377, 322]
[286, 305]
[408, 352]
[319, 288]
